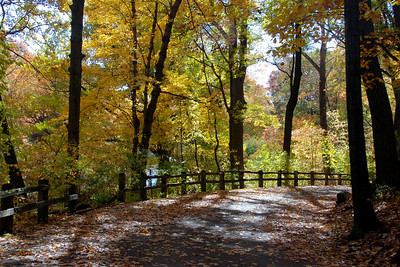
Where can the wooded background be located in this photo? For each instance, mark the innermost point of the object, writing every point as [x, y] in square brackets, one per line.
[164, 87]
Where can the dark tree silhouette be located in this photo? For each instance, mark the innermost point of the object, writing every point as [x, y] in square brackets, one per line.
[387, 165]
[294, 95]
[364, 215]
[75, 85]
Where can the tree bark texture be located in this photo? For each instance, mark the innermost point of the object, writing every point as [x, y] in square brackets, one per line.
[75, 86]
[10, 157]
[237, 71]
[364, 215]
[387, 164]
[75, 78]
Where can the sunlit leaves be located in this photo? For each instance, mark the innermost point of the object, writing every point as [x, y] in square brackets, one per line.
[281, 17]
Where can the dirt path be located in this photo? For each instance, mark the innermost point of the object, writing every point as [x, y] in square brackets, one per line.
[251, 227]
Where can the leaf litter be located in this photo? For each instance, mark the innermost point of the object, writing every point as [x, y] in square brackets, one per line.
[278, 226]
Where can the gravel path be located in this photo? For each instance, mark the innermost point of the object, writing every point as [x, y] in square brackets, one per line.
[232, 232]
[250, 227]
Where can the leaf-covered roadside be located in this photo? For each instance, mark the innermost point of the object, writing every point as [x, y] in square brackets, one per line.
[297, 226]
[380, 248]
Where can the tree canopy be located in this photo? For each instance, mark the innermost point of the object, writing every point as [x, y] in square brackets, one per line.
[165, 86]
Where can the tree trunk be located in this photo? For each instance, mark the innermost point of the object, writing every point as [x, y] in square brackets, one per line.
[159, 77]
[364, 215]
[155, 94]
[134, 86]
[396, 84]
[322, 102]
[321, 68]
[294, 94]
[75, 95]
[387, 164]
[10, 157]
[75, 85]
[322, 87]
[237, 67]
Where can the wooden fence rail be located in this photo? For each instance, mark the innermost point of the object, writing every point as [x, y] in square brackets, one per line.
[184, 183]
[42, 205]
[200, 181]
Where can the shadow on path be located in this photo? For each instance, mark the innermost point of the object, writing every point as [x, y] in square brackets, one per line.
[251, 227]
[239, 229]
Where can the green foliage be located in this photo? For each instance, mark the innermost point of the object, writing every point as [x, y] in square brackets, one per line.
[251, 146]
[190, 132]
[5, 62]
[386, 193]
[266, 160]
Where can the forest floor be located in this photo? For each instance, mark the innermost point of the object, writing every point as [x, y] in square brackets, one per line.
[299, 226]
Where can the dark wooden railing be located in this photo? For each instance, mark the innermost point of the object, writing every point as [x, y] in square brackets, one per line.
[8, 210]
[198, 182]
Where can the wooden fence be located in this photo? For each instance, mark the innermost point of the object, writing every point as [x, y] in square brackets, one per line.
[42, 205]
[199, 182]
[183, 183]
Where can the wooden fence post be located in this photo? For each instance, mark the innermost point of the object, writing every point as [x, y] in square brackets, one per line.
[222, 181]
[142, 186]
[260, 179]
[241, 179]
[326, 178]
[312, 178]
[43, 195]
[340, 179]
[280, 178]
[6, 223]
[121, 187]
[203, 181]
[296, 178]
[164, 185]
[183, 184]
[72, 190]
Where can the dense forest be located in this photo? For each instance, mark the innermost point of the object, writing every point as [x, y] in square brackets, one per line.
[91, 89]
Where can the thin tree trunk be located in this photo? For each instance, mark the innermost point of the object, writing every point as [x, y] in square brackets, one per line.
[135, 87]
[216, 144]
[387, 164]
[159, 77]
[294, 94]
[321, 68]
[196, 154]
[147, 70]
[364, 216]
[322, 87]
[322, 102]
[155, 93]
[10, 157]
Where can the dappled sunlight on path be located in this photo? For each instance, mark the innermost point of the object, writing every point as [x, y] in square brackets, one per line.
[259, 227]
